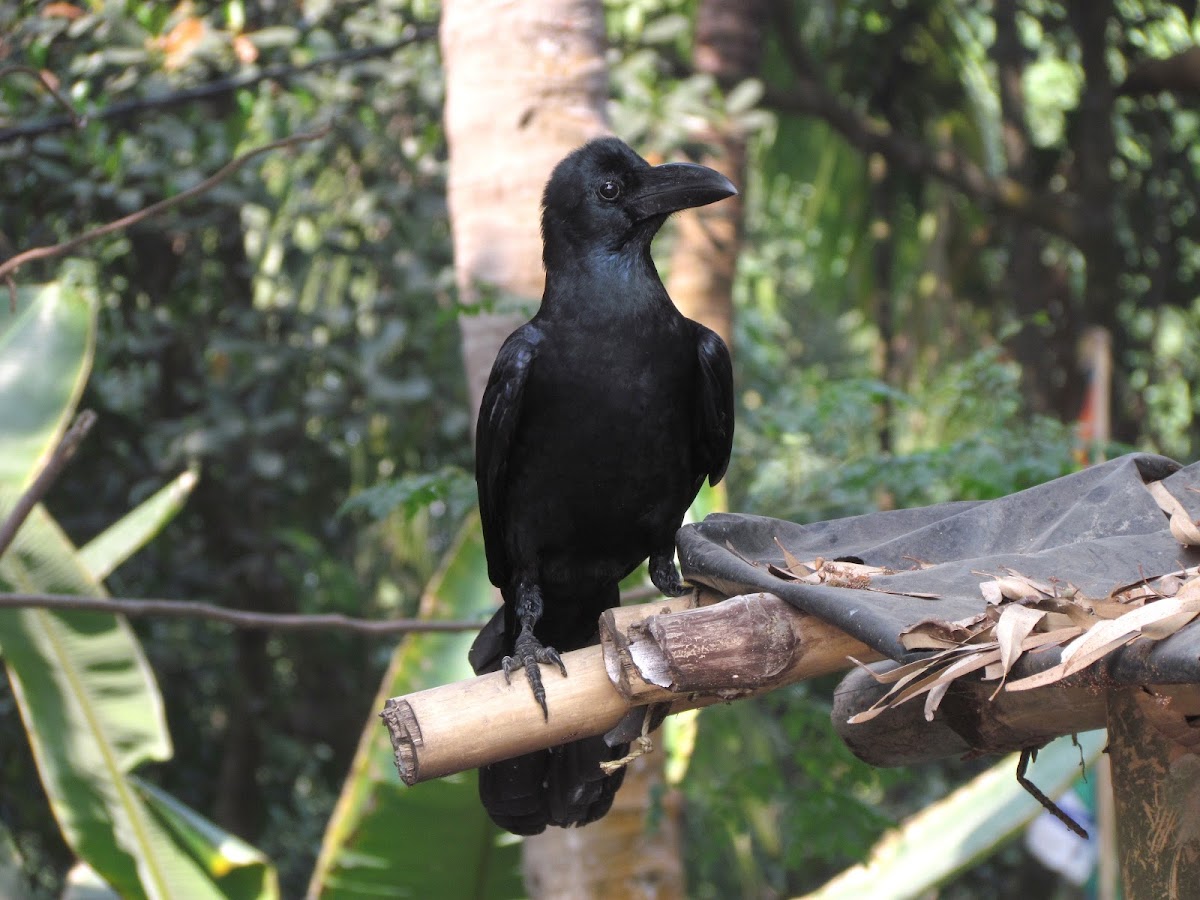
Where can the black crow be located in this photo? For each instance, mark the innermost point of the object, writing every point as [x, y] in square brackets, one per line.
[601, 419]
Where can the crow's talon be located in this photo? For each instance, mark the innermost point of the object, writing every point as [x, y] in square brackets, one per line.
[665, 577]
[529, 651]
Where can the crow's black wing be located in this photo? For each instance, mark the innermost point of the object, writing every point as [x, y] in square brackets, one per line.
[499, 414]
[712, 438]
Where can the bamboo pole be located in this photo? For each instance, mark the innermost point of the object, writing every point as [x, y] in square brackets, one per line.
[741, 646]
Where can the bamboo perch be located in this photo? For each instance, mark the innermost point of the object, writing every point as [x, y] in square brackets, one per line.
[745, 645]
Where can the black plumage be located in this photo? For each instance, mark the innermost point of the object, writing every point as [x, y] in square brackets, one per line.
[601, 419]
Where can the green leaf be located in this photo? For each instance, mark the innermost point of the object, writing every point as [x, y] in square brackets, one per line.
[744, 96]
[85, 692]
[665, 29]
[121, 540]
[92, 712]
[965, 827]
[434, 839]
[412, 493]
[239, 870]
[46, 352]
[83, 883]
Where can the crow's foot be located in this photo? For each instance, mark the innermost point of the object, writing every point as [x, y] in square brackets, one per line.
[665, 576]
[528, 652]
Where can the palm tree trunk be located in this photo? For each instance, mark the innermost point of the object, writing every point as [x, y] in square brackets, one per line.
[728, 46]
[525, 84]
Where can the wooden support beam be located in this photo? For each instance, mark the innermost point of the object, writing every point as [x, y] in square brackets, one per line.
[659, 652]
[1154, 748]
[968, 720]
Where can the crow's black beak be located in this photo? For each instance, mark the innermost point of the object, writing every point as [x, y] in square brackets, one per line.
[663, 190]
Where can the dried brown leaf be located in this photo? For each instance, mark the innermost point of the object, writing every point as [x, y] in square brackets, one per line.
[1161, 617]
[1039, 587]
[935, 634]
[1071, 609]
[1016, 623]
[926, 670]
[991, 592]
[925, 641]
[1054, 621]
[1014, 587]
[1167, 626]
[789, 575]
[1111, 609]
[792, 562]
[1041, 639]
[1183, 527]
[963, 667]
[900, 672]
[1169, 585]
[919, 680]
[1148, 582]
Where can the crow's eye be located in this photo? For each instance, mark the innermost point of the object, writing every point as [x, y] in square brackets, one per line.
[610, 190]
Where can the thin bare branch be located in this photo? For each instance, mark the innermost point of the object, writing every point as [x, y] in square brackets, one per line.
[58, 459]
[238, 618]
[249, 619]
[161, 206]
[75, 120]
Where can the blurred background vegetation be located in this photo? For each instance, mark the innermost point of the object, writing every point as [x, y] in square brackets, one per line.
[943, 200]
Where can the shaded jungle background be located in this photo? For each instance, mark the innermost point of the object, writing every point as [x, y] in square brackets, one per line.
[958, 218]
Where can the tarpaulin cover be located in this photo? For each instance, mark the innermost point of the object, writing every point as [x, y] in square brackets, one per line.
[1099, 530]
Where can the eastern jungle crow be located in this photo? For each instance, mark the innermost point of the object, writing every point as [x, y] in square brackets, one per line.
[600, 421]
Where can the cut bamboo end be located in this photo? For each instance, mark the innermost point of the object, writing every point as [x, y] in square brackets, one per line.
[406, 738]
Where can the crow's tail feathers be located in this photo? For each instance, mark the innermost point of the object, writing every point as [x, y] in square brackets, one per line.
[562, 786]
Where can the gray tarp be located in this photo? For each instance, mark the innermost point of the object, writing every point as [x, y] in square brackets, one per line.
[1099, 530]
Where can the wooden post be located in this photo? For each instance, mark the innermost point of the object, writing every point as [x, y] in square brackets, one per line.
[1154, 747]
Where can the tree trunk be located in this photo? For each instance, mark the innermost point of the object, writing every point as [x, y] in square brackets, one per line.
[526, 83]
[1048, 369]
[619, 856]
[728, 47]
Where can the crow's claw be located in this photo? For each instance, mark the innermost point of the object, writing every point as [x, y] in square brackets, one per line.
[529, 651]
[665, 576]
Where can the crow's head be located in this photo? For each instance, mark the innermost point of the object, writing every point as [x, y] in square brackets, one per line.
[604, 197]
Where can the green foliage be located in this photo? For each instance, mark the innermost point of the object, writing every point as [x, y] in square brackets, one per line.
[773, 802]
[282, 334]
[237, 870]
[292, 336]
[122, 539]
[433, 839]
[89, 702]
[965, 827]
[415, 492]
